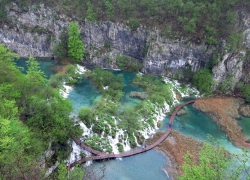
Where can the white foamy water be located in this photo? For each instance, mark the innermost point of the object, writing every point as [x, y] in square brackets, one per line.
[105, 87]
[76, 151]
[148, 131]
[80, 69]
[86, 131]
[66, 89]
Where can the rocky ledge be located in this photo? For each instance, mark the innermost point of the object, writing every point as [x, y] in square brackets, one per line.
[224, 111]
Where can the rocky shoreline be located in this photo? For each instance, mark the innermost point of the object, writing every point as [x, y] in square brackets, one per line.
[225, 112]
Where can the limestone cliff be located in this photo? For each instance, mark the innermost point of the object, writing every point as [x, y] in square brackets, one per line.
[35, 31]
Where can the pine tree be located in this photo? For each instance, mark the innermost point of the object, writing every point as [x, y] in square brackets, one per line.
[75, 44]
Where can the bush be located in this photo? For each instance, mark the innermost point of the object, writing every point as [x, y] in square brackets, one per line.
[120, 147]
[71, 76]
[127, 63]
[56, 80]
[246, 92]
[203, 80]
[60, 50]
[113, 83]
[86, 115]
[133, 23]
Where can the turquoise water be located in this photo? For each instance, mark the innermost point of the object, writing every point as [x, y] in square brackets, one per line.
[245, 125]
[199, 125]
[127, 101]
[45, 65]
[147, 165]
[83, 94]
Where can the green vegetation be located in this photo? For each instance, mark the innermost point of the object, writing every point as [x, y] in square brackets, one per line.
[127, 63]
[159, 92]
[91, 15]
[77, 174]
[71, 76]
[32, 115]
[245, 91]
[133, 23]
[60, 50]
[86, 116]
[215, 163]
[131, 120]
[98, 143]
[203, 80]
[76, 47]
[107, 83]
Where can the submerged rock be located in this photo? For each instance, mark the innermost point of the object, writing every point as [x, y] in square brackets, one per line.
[181, 112]
[140, 95]
[245, 110]
[247, 141]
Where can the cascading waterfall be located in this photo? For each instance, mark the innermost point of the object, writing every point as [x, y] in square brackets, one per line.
[121, 137]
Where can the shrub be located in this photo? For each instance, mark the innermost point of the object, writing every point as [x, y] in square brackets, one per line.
[133, 23]
[203, 80]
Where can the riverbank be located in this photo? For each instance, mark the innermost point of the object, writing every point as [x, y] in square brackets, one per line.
[175, 147]
[225, 112]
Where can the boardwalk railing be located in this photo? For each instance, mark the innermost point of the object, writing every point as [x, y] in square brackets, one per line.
[102, 155]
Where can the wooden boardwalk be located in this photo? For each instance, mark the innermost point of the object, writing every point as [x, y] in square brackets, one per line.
[102, 155]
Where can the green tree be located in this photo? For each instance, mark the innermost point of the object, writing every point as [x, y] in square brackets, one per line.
[64, 174]
[203, 80]
[19, 150]
[61, 49]
[214, 163]
[76, 47]
[8, 71]
[245, 90]
[85, 114]
[91, 15]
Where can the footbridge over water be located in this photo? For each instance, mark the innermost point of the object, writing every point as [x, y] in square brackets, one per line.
[101, 155]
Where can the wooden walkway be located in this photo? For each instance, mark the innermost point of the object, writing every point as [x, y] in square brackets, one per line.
[102, 155]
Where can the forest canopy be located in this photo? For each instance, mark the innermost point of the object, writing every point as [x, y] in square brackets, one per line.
[32, 116]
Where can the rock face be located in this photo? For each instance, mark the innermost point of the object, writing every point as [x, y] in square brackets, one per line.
[228, 71]
[232, 68]
[35, 31]
[106, 40]
[157, 54]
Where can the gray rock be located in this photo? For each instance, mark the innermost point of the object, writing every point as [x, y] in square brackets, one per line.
[229, 69]
[105, 40]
